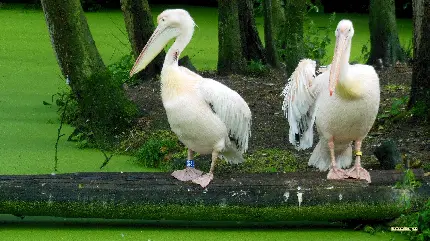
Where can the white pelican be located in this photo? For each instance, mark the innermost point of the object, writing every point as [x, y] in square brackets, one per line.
[343, 102]
[206, 115]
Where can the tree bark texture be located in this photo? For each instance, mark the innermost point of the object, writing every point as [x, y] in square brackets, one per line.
[230, 57]
[259, 197]
[292, 34]
[72, 41]
[139, 23]
[420, 88]
[384, 39]
[252, 48]
[278, 18]
[269, 33]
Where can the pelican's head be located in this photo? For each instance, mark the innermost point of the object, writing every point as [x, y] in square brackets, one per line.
[344, 33]
[171, 24]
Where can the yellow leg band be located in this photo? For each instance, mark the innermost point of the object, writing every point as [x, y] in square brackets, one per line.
[359, 153]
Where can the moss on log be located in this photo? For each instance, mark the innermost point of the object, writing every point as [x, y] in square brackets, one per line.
[270, 197]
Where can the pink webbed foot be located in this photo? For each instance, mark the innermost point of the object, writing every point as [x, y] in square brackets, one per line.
[358, 172]
[336, 174]
[204, 180]
[187, 174]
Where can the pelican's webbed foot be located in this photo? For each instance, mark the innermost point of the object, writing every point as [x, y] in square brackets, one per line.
[337, 174]
[358, 172]
[204, 180]
[187, 174]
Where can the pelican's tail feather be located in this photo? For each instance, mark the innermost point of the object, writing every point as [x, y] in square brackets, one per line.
[232, 155]
[320, 157]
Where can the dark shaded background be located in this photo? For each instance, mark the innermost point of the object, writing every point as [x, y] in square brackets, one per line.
[403, 7]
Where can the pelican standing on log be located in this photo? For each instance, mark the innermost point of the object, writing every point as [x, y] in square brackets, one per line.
[207, 116]
[343, 102]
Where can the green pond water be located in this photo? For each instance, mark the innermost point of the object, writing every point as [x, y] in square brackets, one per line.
[45, 228]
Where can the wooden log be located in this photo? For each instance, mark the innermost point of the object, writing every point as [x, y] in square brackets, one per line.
[268, 197]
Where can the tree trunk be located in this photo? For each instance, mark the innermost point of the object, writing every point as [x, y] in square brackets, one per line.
[72, 41]
[420, 88]
[278, 18]
[384, 40]
[292, 34]
[139, 24]
[102, 106]
[230, 57]
[269, 33]
[252, 48]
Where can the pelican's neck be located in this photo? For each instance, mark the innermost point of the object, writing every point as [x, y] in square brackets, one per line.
[176, 49]
[344, 63]
[348, 87]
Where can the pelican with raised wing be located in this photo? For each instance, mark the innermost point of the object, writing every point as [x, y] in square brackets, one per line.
[207, 116]
[343, 102]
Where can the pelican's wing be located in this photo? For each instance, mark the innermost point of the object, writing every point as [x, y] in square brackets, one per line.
[231, 108]
[300, 94]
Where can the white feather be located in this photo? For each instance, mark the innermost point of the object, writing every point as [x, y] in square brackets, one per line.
[299, 103]
[230, 107]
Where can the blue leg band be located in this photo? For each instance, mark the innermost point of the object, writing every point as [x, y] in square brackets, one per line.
[190, 163]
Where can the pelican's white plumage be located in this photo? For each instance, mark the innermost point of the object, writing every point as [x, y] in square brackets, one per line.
[207, 116]
[302, 91]
[343, 103]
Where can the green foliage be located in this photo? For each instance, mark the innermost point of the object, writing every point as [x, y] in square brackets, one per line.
[316, 39]
[408, 51]
[420, 219]
[271, 160]
[131, 141]
[407, 185]
[420, 110]
[102, 112]
[120, 70]
[67, 104]
[397, 111]
[158, 149]
[105, 110]
[369, 229]
[266, 160]
[426, 167]
[423, 223]
[409, 180]
[256, 67]
[98, 112]
[364, 53]
[398, 105]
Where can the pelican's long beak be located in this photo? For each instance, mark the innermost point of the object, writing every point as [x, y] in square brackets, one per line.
[341, 44]
[159, 39]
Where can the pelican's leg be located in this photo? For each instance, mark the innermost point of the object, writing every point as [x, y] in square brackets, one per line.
[357, 171]
[205, 179]
[334, 172]
[189, 173]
